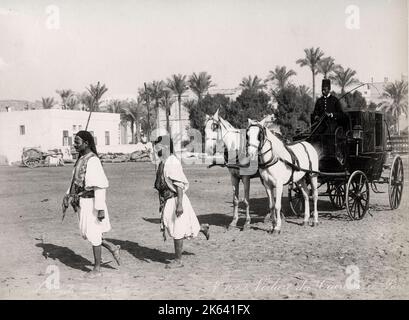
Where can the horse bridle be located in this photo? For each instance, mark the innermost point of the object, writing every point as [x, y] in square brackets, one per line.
[262, 139]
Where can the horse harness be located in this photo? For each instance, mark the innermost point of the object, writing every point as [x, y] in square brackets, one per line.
[294, 164]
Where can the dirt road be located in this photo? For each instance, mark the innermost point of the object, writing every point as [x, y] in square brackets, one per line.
[340, 259]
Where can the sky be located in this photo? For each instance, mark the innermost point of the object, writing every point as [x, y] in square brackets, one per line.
[50, 45]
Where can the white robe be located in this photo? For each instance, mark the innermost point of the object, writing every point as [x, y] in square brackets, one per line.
[186, 225]
[90, 227]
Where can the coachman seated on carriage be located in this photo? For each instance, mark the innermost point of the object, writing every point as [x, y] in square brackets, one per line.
[329, 123]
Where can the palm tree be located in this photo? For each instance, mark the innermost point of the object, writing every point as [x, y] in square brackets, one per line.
[71, 102]
[132, 113]
[177, 84]
[156, 93]
[86, 100]
[281, 75]
[326, 66]
[312, 58]
[96, 92]
[64, 94]
[166, 102]
[397, 92]
[253, 84]
[48, 103]
[344, 78]
[304, 90]
[144, 95]
[114, 106]
[200, 84]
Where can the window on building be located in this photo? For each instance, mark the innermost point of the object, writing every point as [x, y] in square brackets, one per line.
[74, 128]
[65, 140]
[107, 138]
[22, 130]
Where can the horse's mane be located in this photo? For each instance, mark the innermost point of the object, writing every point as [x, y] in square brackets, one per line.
[279, 145]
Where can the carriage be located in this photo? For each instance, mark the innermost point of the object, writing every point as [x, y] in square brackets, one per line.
[353, 158]
[33, 157]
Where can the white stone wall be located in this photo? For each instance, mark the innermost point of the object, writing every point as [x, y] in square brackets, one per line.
[44, 129]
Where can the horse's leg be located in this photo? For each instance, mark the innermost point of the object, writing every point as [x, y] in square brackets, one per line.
[270, 213]
[276, 226]
[246, 183]
[314, 188]
[270, 197]
[304, 190]
[235, 184]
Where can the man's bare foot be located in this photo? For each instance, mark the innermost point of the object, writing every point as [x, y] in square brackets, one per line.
[174, 264]
[93, 274]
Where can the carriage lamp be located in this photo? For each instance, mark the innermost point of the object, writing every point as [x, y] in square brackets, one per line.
[357, 132]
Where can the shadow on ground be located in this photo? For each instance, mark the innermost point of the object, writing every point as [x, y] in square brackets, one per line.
[145, 254]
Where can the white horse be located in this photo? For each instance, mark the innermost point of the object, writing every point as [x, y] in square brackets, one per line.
[277, 169]
[219, 130]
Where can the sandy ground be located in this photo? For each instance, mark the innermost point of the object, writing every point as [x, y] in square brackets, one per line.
[42, 258]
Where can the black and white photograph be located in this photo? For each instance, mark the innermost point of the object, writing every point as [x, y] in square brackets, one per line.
[204, 150]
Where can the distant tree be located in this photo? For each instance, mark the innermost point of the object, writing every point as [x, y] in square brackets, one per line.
[133, 112]
[156, 90]
[304, 90]
[166, 102]
[397, 93]
[294, 107]
[354, 101]
[178, 85]
[249, 104]
[144, 95]
[200, 84]
[72, 102]
[48, 103]
[252, 84]
[96, 92]
[64, 94]
[206, 106]
[312, 59]
[281, 75]
[326, 66]
[86, 100]
[114, 106]
[344, 78]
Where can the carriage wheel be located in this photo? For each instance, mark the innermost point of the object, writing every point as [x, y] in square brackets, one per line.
[357, 195]
[337, 195]
[296, 200]
[396, 181]
[31, 163]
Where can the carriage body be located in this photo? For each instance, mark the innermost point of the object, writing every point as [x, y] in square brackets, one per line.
[33, 157]
[353, 156]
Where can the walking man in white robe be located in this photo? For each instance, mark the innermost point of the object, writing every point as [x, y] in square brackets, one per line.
[178, 218]
[87, 194]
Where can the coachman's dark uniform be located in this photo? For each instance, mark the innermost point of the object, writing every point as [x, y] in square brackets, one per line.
[328, 104]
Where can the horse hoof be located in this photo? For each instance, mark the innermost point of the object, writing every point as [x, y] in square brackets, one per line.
[314, 224]
[304, 223]
[246, 226]
[231, 227]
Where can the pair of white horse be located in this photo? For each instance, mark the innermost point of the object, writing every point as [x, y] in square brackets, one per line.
[276, 166]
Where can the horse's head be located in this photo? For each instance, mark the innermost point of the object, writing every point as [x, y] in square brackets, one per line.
[255, 138]
[212, 126]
